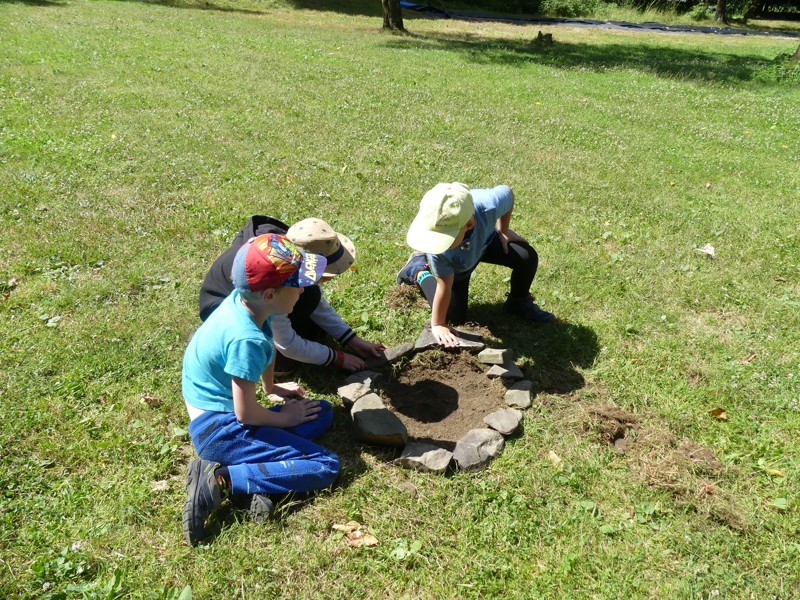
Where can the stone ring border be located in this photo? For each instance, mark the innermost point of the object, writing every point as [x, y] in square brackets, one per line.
[376, 424]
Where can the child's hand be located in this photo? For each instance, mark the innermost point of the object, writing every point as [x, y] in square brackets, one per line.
[445, 336]
[296, 411]
[351, 363]
[509, 236]
[364, 348]
[283, 391]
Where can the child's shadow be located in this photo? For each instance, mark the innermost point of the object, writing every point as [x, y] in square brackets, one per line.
[550, 354]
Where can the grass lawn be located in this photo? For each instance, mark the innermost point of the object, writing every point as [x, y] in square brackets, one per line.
[135, 140]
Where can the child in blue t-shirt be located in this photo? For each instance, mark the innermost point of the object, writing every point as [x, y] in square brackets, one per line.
[455, 229]
[245, 448]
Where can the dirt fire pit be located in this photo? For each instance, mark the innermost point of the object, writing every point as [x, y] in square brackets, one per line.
[441, 395]
[444, 407]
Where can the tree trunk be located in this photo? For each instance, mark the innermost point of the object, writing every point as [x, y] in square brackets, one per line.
[796, 57]
[392, 15]
[722, 10]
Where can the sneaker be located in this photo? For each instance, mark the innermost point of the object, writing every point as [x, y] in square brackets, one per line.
[261, 508]
[527, 309]
[203, 497]
[417, 261]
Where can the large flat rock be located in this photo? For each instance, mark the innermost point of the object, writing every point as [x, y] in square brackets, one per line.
[505, 420]
[505, 371]
[376, 424]
[519, 395]
[389, 356]
[477, 449]
[425, 457]
[466, 339]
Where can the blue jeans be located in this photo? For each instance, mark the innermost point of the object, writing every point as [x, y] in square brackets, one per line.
[267, 460]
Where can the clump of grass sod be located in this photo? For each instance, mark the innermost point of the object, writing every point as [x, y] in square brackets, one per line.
[137, 137]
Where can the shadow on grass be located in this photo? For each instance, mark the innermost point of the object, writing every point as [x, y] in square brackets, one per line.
[664, 61]
[201, 5]
[43, 3]
[555, 351]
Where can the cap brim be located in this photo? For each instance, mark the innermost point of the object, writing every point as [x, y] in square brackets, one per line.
[310, 272]
[422, 239]
[346, 260]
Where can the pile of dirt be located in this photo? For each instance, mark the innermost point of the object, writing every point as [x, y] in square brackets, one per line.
[440, 395]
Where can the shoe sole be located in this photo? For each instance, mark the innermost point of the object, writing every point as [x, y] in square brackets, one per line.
[261, 509]
[189, 517]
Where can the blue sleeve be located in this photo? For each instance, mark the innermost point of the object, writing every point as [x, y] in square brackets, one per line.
[440, 266]
[495, 201]
[248, 358]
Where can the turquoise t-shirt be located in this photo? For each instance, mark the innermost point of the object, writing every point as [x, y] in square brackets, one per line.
[490, 205]
[228, 344]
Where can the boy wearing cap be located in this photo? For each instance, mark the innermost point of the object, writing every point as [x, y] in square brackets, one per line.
[245, 448]
[297, 336]
[454, 230]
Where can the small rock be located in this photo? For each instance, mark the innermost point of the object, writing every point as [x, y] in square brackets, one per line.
[425, 457]
[507, 371]
[621, 445]
[519, 395]
[389, 356]
[494, 356]
[505, 420]
[365, 377]
[351, 392]
[476, 449]
[376, 424]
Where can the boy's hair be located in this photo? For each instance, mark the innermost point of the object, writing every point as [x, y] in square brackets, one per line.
[443, 211]
[270, 261]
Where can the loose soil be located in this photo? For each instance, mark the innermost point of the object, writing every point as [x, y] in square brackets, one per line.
[440, 395]
[689, 471]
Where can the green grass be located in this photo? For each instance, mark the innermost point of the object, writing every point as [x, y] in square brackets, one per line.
[136, 138]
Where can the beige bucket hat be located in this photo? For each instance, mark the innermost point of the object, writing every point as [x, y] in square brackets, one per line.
[316, 236]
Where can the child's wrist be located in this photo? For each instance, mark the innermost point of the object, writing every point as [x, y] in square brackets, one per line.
[339, 360]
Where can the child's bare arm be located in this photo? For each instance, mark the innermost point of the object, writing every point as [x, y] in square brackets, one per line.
[503, 223]
[250, 412]
[268, 377]
[441, 301]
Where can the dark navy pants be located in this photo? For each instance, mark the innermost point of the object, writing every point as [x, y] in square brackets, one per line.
[521, 259]
[267, 460]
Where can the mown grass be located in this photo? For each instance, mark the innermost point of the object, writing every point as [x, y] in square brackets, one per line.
[135, 139]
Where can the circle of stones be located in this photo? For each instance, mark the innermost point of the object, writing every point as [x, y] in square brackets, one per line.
[374, 423]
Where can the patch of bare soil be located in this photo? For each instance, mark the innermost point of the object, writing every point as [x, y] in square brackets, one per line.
[402, 297]
[440, 395]
[689, 471]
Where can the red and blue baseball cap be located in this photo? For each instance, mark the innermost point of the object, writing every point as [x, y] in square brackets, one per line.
[271, 260]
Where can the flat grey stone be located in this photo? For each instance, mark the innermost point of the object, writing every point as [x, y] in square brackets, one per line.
[389, 356]
[376, 424]
[507, 371]
[351, 392]
[494, 356]
[505, 420]
[476, 449]
[466, 339]
[365, 377]
[425, 457]
[519, 395]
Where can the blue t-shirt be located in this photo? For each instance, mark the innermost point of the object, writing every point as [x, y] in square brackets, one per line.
[228, 344]
[490, 205]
